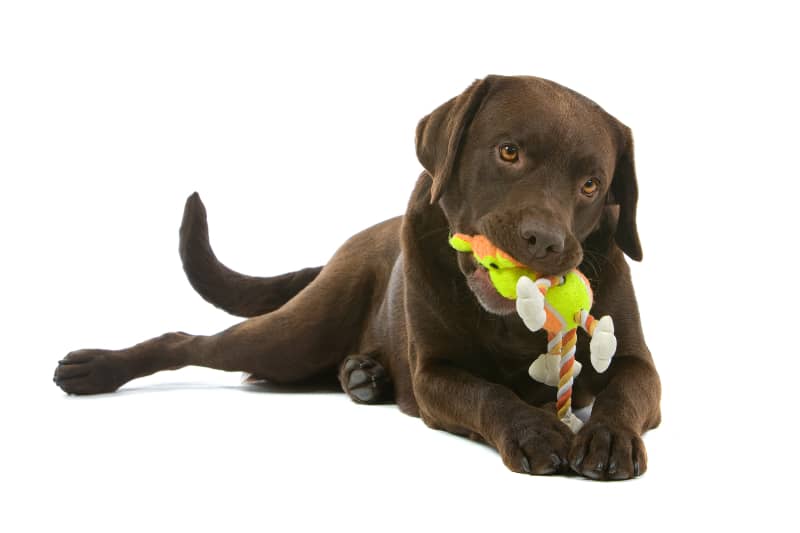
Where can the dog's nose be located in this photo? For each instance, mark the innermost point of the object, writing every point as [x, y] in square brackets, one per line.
[543, 239]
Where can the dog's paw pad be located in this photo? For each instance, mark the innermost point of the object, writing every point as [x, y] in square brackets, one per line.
[364, 379]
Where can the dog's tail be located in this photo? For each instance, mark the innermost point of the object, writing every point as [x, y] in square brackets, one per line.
[235, 293]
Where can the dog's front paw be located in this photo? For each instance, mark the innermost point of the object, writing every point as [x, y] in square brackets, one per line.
[90, 372]
[536, 445]
[605, 452]
[530, 304]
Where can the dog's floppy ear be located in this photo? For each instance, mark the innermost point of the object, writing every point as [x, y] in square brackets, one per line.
[439, 134]
[625, 192]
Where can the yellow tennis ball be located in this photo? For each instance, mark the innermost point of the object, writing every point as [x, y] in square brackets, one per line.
[505, 279]
[565, 299]
[504, 270]
[569, 298]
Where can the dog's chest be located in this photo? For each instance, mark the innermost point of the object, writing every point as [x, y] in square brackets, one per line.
[507, 340]
[507, 355]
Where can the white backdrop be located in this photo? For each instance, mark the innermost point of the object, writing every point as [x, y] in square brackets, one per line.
[295, 122]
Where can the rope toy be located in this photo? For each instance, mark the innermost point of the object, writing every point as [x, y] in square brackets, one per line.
[557, 304]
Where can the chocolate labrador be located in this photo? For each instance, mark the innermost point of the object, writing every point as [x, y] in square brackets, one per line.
[400, 316]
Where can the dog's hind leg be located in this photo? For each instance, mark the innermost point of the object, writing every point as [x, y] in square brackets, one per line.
[365, 379]
[304, 339]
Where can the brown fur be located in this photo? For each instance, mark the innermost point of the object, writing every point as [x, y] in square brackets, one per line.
[393, 315]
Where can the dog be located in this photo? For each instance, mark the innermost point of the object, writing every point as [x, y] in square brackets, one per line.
[399, 316]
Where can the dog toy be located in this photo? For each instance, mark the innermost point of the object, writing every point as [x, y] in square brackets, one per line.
[557, 304]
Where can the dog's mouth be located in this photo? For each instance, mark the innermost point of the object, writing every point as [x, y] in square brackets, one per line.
[481, 285]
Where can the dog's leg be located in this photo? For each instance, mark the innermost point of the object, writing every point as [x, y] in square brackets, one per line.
[308, 336]
[530, 439]
[365, 379]
[627, 394]
[610, 446]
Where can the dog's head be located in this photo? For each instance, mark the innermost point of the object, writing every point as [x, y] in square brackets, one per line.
[533, 166]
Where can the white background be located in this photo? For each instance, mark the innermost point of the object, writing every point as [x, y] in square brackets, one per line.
[295, 122]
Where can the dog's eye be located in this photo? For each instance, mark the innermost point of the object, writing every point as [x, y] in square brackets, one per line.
[590, 186]
[509, 152]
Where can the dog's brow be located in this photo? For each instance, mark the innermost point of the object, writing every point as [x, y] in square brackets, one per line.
[585, 165]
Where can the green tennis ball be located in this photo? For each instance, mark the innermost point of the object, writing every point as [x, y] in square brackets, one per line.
[564, 300]
[505, 280]
[569, 298]
[460, 244]
[504, 271]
